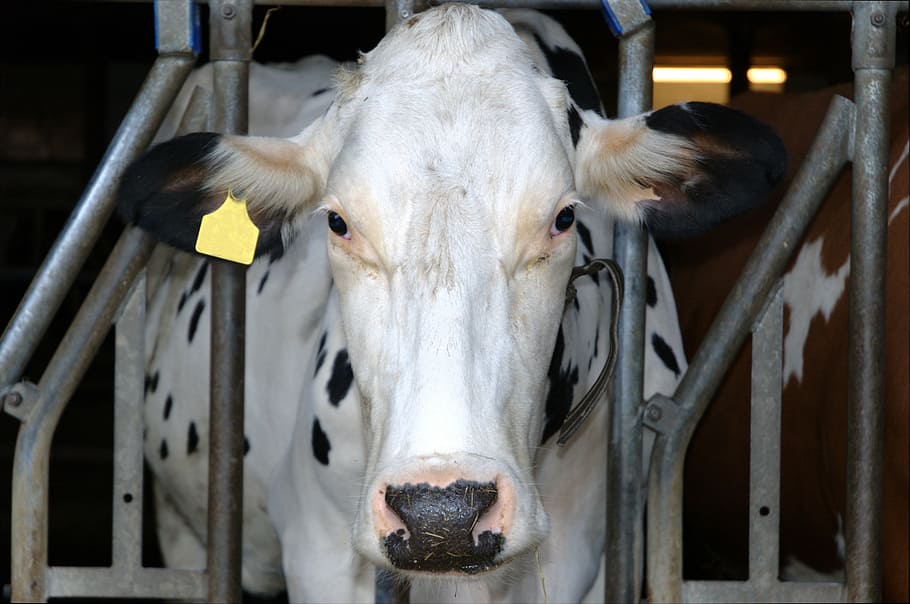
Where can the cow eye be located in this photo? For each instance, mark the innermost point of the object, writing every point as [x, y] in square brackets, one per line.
[337, 224]
[563, 221]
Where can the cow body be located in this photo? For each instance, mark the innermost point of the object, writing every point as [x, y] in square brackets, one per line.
[815, 369]
[409, 366]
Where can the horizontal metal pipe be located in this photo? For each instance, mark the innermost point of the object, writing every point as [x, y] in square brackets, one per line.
[829, 153]
[156, 583]
[62, 265]
[726, 5]
[63, 373]
[778, 591]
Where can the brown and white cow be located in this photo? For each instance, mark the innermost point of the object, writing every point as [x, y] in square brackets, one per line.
[813, 474]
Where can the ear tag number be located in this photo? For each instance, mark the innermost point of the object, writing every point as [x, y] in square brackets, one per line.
[228, 232]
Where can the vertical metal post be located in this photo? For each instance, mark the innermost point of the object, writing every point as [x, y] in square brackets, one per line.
[764, 443]
[873, 59]
[129, 369]
[230, 50]
[625, 496]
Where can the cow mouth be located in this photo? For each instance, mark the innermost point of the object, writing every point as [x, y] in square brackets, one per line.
[461, 556]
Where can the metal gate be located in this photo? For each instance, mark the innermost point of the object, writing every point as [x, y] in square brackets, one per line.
[850, 132]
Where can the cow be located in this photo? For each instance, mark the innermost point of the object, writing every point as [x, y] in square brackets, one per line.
[411, 351]
[815, 286]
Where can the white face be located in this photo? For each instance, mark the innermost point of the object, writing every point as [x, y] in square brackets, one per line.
[450, 269]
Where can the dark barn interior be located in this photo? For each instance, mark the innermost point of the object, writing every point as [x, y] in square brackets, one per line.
[68, 72]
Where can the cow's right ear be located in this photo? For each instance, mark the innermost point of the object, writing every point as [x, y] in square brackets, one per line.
[168, 190]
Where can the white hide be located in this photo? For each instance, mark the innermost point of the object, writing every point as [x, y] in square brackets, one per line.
[449, 292]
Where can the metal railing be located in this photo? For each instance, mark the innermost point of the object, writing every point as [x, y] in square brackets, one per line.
[847, 132]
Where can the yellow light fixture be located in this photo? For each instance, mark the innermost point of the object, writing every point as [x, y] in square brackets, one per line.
[766, 75]
[702, 75]
[717, 75]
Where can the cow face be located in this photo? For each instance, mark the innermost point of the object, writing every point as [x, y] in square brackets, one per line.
[447, 174]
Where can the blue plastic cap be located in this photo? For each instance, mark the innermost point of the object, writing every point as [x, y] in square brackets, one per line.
[195, 33]
[613, 20]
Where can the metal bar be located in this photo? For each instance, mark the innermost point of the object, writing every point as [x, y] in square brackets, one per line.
[827, 156]
[625, 498]
[46, 404]
[195, 117]
[744, 592]
[230, 25]
[399, 10]
[750, 5]
[764, 444]
[60, 268]
[129, 370]
[158, 583]
[873, 59]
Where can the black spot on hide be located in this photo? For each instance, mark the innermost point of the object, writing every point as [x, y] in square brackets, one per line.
[342, 377]
[200, 277]
[183, 298]
[151, 383]
[321, 445]
[194, 320]
[562, 388]
[320, 353]
[570, 67]
[665, 353]
[246, 446]
[585, 235]
[168, 403]
[262, 281]
[575, 124]
[651, 293]
[276, 254]
[162, 450]
[192, 439]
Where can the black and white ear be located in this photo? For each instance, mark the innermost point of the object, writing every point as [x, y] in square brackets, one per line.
[168, 190]
[679, 170]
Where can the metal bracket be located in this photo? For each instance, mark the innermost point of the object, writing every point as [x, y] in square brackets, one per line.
[625, 17]
[20, 399]
[661, 414]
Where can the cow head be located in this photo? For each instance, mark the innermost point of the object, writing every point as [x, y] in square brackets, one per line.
[447, 171]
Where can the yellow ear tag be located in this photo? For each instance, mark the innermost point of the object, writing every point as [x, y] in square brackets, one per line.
[228, 232]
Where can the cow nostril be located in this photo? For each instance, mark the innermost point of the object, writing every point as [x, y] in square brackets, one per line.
[441, 524]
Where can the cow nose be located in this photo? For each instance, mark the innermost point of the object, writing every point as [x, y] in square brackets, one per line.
[445, 528]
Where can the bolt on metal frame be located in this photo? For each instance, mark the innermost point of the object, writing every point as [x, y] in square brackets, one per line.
[40, 407]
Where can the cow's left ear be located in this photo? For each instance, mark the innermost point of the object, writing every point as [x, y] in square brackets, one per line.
[679, 170]
[168, 190]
